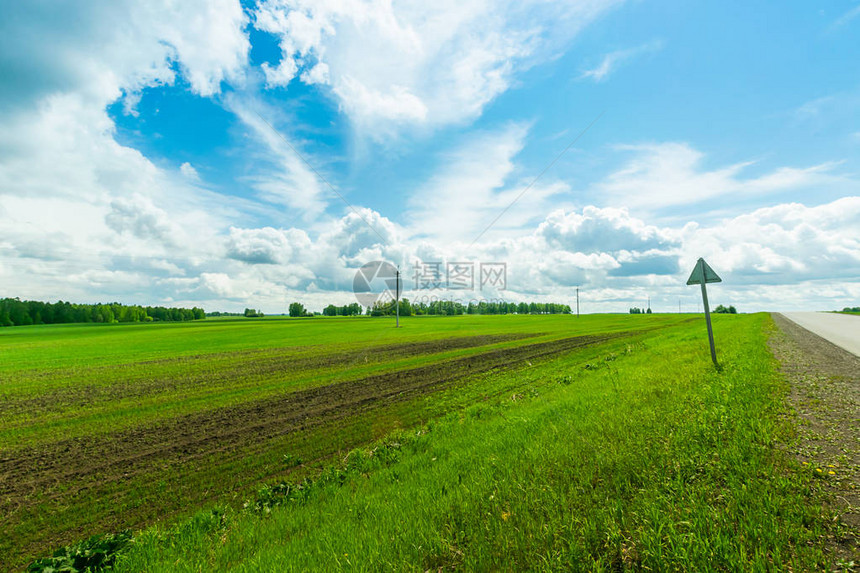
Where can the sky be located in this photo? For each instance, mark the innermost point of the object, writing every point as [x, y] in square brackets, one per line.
[232, 154]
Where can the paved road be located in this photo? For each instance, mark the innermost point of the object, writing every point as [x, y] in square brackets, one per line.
[840, 329]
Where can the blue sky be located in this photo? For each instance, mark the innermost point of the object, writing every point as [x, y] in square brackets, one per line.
[183, 154]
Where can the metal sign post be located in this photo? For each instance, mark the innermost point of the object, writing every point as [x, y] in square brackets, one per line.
[397, 299]
[702, 274]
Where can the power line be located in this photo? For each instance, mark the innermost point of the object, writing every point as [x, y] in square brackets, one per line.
[529, 186]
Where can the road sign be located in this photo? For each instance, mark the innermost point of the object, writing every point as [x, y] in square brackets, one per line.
[701, 275]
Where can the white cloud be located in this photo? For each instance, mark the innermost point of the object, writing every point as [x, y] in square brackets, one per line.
[671, 174]
[613, 60]
[397, 104]
[814, 108]
[287, 180]
[66, 185]
[189, 172]
[785, 244]
[266, 245]
[597, 230]
[139, 217]
[476, 184]
[102, 49]
[415, 63]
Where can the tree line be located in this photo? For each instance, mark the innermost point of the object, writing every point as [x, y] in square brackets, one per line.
[437, 308]
[17, 312]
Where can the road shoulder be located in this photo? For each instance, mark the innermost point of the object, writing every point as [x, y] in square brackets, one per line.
[825, 395]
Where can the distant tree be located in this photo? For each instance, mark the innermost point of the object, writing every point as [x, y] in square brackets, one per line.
[405, 307]
[330, 310]
[648, 311]
[725, 309]
[5, 320]
[297, 309]
[16, 312]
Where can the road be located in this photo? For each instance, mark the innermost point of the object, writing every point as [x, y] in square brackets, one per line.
[843, 330]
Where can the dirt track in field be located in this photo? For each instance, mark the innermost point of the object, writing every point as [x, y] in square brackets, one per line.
[59, 471]
[825, 394]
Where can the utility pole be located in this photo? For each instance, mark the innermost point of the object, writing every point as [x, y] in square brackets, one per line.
[577, 302]
[397, 299]
[679, 306]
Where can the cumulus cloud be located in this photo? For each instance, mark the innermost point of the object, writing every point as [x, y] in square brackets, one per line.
[265, 245]
[785, 244]
[66, 184]
[106, 48]
[189, 172]
[141, 218]
[603, 230]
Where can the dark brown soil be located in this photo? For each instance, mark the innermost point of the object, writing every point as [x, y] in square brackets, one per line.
[825, 394]
[58, 472]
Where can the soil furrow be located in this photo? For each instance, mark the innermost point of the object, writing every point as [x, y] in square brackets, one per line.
[124, 453]
[137, 380]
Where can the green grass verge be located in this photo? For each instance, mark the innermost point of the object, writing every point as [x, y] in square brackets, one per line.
[647, 458]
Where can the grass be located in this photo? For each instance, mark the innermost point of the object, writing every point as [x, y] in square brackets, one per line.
[642, 458]
[66, 388]
[94, 379]
[632, 453]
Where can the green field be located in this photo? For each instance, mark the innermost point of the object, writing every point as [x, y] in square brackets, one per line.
[508, 442]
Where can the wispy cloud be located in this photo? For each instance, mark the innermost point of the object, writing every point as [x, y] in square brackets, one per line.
[846, 17]
[479, 178]
[613, 60]
[836, 108]
[665, 175]
[285, 180]
[814, 107]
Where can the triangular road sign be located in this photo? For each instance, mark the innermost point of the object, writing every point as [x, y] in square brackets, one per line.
[702, 273]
